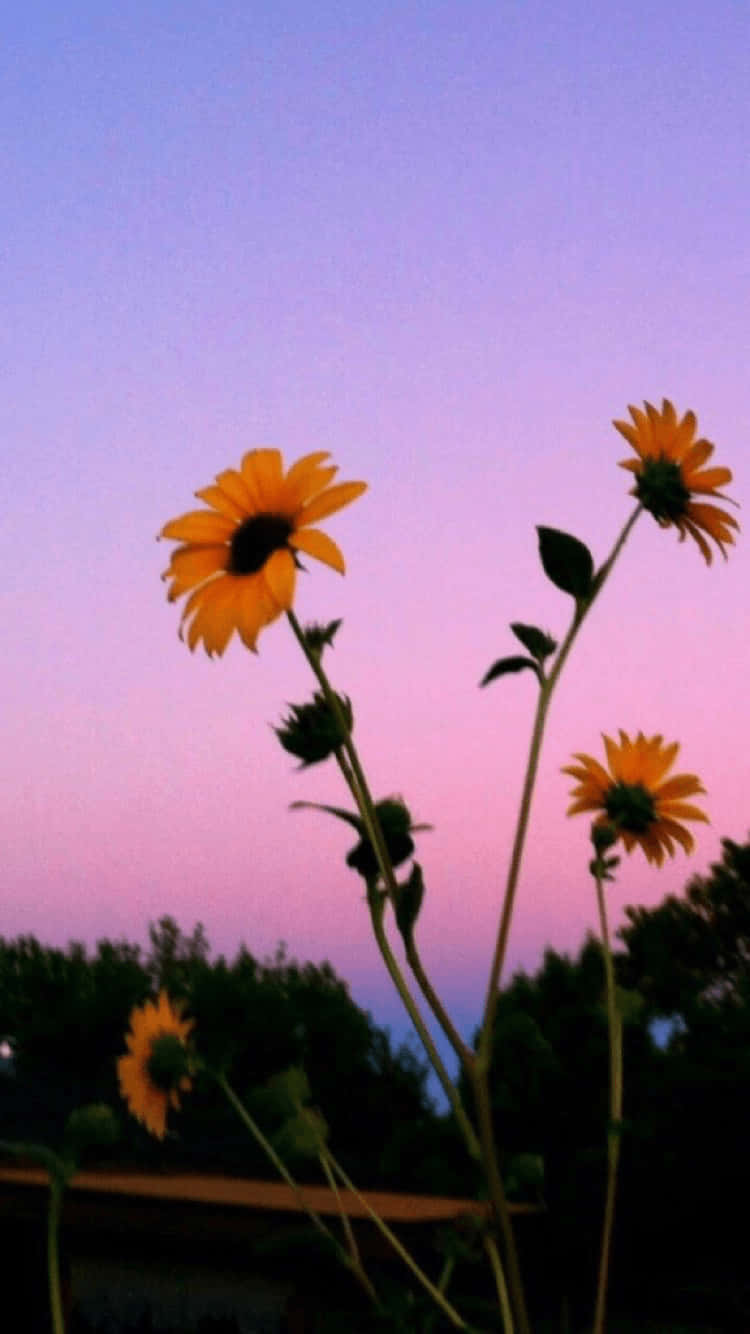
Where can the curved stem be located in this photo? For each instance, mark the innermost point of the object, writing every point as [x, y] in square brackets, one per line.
[351, 1240]
[377, 906]
[545, 695]
[484, 1052]
[278, 1163]
[463, 1052]
[614, 1027]
[437, 1296]
[354, 775]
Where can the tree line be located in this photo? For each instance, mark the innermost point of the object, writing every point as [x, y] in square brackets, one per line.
[684, 972]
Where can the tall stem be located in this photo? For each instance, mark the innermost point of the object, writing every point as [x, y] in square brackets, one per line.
[484, 1052]
[500, 1284]
[545, 695]
[614, 1028]
[437, 1296]
[351, 768]
[54, 1208]
[351, 1240]
[271, 1153]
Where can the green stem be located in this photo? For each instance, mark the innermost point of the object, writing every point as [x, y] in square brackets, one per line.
[54, 1208]
[463, 1052]
[545, 695]
[437, 1296]
[271, 1153]
[377, 906]
[499, 1201]
[484, 1052]
[614, 1027]
[500, 1284]
[356, 1259]
[354, 775]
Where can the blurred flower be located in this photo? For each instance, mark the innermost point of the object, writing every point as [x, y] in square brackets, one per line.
[311, 732]
[668, 475]
[635, 799]
[157, 1068]
[239, 557]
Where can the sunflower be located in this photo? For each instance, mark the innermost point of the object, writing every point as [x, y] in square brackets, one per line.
[634, 797]
[238, 558]
[669, 476]
[155, 1071]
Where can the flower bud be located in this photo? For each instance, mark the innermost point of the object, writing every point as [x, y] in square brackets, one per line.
[311, 732]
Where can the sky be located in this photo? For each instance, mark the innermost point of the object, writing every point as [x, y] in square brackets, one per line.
[449, 242]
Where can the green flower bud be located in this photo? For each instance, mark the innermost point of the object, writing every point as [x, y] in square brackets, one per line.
[319, 637]
[311, 732]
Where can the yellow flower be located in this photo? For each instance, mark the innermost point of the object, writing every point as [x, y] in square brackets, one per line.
[635, 799]
[155, 1071]
[669, 476]
[238, 560]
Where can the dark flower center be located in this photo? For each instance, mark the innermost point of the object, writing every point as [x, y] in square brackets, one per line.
[168, 1062]
[630, 807]
[661, 488]
[255, 540]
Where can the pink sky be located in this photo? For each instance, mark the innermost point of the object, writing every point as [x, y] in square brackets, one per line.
[449, 242]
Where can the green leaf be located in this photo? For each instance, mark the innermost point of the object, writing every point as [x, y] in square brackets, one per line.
[340, 814]
[535, 640]
[505, 665]
[567, 562]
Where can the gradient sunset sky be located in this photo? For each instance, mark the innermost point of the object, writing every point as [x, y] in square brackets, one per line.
[448, 242]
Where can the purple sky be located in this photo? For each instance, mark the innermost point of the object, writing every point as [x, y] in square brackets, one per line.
[447, 241]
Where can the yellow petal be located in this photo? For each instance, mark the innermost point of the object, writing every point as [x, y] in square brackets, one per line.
[279, 573]
[307, 486]
[682, 785]
[232, 484]
[219, 500]
[255, 609]
[681, 810]
[613, 757]
[191, 565]
[262, 474]
[708, 480]
[200, 526]
[630, 433]
[319, 545]
[677, 831]
[329, 501]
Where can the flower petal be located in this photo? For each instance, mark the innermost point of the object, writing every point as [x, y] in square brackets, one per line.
[280, 574]
[329, 501]
[199, 526]
[319, 545]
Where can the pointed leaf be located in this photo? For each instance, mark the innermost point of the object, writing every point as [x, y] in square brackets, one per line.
[340, 814]
[567, 562]
[505, 665]
[535, 640]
